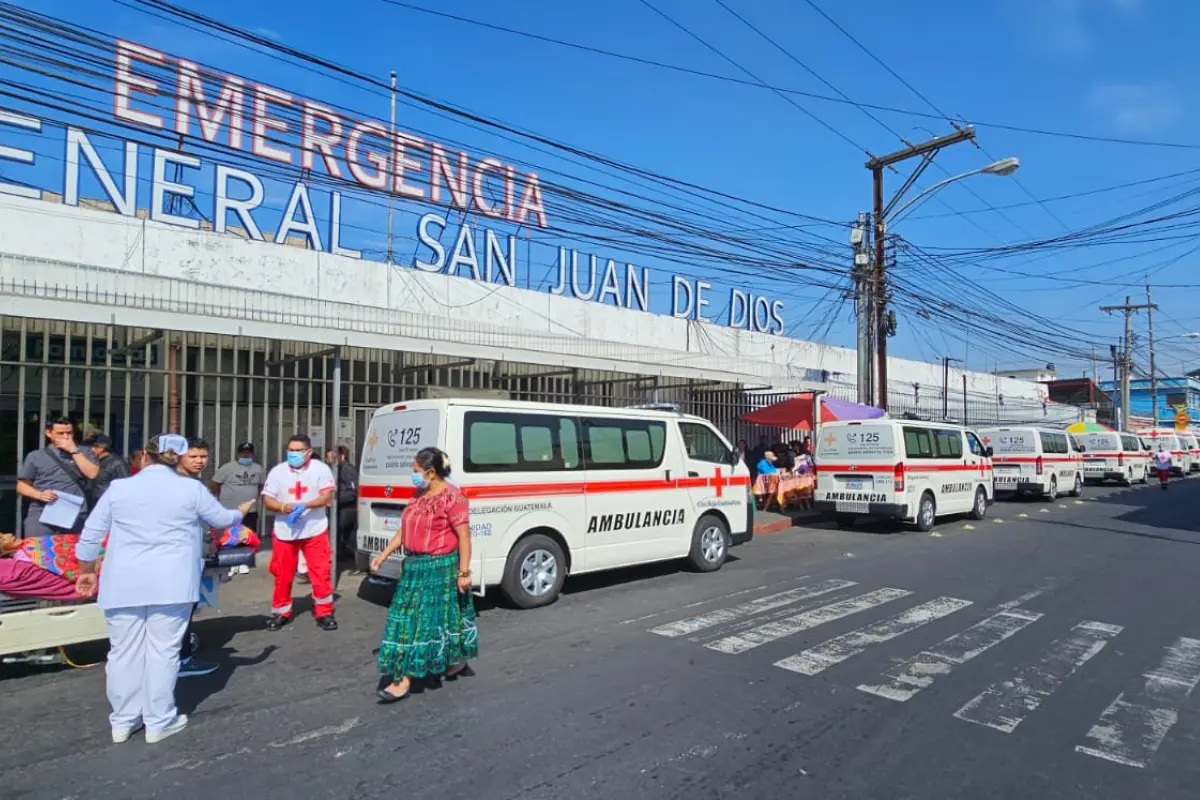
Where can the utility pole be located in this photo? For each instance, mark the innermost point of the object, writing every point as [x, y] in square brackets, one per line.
[1153, 373]
[946, 387]
[1127, 357]
[881, 321]
[1116, 362]
[864, 308]
[391, 174]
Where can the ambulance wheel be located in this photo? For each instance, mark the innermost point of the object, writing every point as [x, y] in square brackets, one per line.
[979, 508]
[1052, 492]
[926, 513]
[1145, 477]
[1078, 490]
[535, 572]
[1128, 479]
[710, 544]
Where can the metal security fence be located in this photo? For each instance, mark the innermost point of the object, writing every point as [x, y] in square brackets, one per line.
[132, 383]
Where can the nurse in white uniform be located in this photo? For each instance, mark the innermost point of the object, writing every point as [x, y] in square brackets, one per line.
[148, 582]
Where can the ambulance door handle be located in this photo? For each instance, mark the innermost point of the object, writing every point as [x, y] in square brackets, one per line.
[693, 474]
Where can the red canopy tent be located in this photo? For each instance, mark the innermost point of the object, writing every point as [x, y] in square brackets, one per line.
[798, 412]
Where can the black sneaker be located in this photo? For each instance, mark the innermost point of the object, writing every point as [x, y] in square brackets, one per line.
[277, 621]
[192, 668]
[327, 623]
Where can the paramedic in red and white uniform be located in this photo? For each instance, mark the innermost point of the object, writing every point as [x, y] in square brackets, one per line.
[298, 491]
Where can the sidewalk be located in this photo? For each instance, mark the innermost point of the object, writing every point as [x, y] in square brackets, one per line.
[773, 521]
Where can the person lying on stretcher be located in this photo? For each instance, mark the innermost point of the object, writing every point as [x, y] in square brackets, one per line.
[45, 568]
[40, 567]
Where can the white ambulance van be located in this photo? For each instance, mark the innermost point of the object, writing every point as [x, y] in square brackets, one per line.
[1038, 461]
[1191, 447]
[909, 471]
[1114, 456]
[558, 490]
[1181, 459]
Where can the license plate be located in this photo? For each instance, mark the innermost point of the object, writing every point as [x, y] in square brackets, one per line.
[849, 507]
[1006, 479]
[854, 485]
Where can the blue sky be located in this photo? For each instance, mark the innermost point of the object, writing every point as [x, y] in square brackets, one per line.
[1108, 68]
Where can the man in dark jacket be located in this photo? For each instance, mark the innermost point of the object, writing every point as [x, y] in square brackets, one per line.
[112, 466]
[346, 475]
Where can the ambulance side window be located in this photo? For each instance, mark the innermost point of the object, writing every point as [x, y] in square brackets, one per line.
[918, 443]
[949, 444]
[499, 442]
[975, 446]
[703, 443]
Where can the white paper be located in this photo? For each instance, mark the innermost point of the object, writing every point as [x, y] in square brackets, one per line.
[63, 512]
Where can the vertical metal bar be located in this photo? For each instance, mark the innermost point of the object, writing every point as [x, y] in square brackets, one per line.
[280, 433]
[127, 411]
[87, 377]
[234, 400]
[170, 418]
[217, 365]
[43, 403]
[266, 390]
[337, 406]
[21, 380]
[311, 370]
[147, 377]
[215, 442]
[108, 376]
[66, 391]
[179, 381]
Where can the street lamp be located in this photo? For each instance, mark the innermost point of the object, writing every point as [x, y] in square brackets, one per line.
[1003, 167]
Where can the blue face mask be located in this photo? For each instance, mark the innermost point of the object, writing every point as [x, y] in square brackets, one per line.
[245, 462]
[418, 480]
[295, 460]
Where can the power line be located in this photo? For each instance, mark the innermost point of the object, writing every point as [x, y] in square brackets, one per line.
[650, 62]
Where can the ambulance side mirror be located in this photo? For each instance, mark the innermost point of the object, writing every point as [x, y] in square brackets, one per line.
[734, 458]
[1081, 448]
[988, 451]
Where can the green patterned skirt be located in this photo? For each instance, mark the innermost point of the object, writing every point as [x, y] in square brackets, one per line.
[431, 626]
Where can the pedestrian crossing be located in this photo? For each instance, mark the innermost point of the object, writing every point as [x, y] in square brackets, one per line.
[1128, 732]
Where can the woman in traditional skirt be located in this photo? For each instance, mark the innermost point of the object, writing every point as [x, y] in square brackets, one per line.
[431, 623]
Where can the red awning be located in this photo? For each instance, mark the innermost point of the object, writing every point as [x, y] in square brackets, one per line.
[797, 412]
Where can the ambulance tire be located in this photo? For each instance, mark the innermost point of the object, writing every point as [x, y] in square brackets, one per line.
[979, 507]
[926, 513]
[537, 547]
[1078, 490]
[1052, 493]
[1145, 477]
[710, 544]
[1128, 479]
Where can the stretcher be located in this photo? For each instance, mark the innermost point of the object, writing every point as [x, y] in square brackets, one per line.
[28, 626]
[32, 625]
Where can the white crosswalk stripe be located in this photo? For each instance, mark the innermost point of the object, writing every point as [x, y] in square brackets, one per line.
[918, 672]
[789, 626]
[1132, 727]
[1005, 705]
[817, 659]
[684, 627]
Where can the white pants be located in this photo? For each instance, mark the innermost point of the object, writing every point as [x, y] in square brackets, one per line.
[143, 663]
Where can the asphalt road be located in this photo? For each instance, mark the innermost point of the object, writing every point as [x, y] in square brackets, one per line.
[1050, 655]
